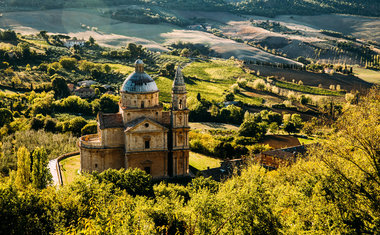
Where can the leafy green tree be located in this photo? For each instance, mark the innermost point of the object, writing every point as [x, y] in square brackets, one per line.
[76, 124]
[90, 128]
[74, 104]
[36, 123]
[109, 103]
[107, 68]
[224, 150]
[249, 128]
[133, 181]
[199, 96]
[23, 167]
[168, 69]
[202, 183]
[41, 176]
[91, 41]
[23, 49]
[290, 127]
[68, 63]
[297, 120]
[229, 97]
[44, 35]
[51, 71]
[59, 86]
[185, 52]
[43, 104]
[351, 157]
[5, 116]
[50, 125]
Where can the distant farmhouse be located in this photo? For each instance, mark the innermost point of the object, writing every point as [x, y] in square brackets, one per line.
[84, 92]
[273, 159]
[141, 135]
[74, 42]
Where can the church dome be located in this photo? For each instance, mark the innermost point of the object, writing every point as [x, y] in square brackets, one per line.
[139, 81]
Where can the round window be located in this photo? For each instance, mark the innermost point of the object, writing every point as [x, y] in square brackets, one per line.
[147, 125]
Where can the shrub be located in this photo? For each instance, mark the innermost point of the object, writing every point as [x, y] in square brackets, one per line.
[90, 128]
[6, 116]
[36, 124]
[133, 181]
[68, 63]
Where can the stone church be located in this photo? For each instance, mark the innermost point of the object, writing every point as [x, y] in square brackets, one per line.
[141, 135]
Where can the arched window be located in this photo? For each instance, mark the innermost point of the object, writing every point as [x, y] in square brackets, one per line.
[180, 104]
[142, 104]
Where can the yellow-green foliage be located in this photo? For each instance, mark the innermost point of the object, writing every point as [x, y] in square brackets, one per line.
[335, 190]
[203, 142]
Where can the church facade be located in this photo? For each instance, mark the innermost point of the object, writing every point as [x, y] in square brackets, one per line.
[141, 135]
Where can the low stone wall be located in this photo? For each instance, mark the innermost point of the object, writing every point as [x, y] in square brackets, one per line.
[60, 158]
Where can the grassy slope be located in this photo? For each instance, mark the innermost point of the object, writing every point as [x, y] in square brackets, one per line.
[124, 69]
[201, 162]
[69, 169]
[211, 79]
[368, 75]
[309, 140]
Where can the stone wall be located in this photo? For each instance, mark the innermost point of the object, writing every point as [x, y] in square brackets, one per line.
[101, 159]
[139, 100]
[112, 137]
[136, 141]
[154, 163]
[132, 114]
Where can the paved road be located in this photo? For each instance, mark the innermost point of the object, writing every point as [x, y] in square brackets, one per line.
[53, 170]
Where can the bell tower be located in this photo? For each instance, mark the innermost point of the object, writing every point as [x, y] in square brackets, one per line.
[179, 127]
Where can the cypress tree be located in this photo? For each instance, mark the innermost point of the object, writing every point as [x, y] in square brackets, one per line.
[40, 173]
[23, 167]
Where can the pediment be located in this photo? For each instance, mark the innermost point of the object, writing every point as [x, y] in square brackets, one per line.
[144, 125]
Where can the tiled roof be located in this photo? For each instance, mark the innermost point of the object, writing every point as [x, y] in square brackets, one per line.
[134, 123]
[110, 120]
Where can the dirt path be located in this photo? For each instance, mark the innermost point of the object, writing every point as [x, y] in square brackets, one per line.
[54, 171]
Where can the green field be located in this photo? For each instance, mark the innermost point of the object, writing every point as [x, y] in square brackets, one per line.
[69, 169]
[124, 69]
[201, 162]
[211, 79]
[309, 140]
[367, 75]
